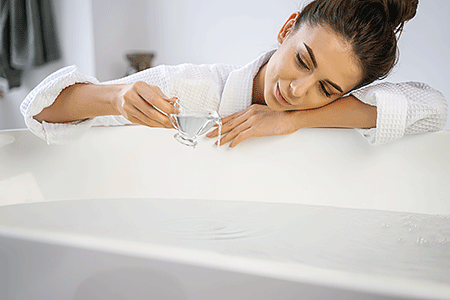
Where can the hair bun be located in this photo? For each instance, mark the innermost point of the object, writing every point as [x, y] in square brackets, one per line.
[400, 11]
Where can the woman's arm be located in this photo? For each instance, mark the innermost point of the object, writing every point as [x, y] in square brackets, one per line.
[62, 107]
[383, 113]
[346, 112]
[260, 120]
[138, 102]
[78, 102]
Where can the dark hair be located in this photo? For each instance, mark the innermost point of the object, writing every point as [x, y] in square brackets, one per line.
[370, 26]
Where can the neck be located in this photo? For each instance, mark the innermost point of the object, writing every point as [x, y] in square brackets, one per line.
[258, 86]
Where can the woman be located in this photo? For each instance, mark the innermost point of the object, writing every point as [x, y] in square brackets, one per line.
[329, 49]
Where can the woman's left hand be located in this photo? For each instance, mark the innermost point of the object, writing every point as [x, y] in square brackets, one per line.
[255, 121]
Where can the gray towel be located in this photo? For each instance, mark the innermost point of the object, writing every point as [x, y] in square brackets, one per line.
[28, 38]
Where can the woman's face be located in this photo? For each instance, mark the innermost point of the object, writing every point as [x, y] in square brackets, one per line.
[312, 67]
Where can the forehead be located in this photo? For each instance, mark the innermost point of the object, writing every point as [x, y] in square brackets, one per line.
[334, 55]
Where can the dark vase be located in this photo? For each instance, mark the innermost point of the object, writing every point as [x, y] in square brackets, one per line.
[139, 61]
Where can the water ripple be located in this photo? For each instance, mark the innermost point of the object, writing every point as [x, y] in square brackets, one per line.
[211, 228]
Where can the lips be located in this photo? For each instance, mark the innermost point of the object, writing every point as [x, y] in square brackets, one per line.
[280, 97]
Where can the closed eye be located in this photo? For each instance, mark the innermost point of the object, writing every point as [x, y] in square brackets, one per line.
[324, 90]
[301, 62]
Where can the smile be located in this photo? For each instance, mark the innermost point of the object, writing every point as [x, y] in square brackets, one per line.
[280, 97]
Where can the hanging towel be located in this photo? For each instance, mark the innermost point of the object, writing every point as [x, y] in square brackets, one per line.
[27, 38]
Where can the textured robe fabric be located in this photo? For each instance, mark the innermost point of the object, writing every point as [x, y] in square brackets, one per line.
[402, 108]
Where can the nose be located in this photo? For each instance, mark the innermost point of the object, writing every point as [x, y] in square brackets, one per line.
[300, 86]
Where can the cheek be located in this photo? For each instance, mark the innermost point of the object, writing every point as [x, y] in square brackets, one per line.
[276, 66]
[271, 73]
[270, 81]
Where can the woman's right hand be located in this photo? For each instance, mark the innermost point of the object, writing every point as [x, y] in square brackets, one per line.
[145, 104]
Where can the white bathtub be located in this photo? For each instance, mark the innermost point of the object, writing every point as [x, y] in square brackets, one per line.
[129, 212]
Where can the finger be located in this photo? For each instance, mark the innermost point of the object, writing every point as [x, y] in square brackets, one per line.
[231, 121]
[230, 125]
[212, 133]
[149, 123]
[242, 136]
[234, 133]
[155, 97]
[233, 116]
[151, 113]
[136, 106]
[149, 117]
[235, 122]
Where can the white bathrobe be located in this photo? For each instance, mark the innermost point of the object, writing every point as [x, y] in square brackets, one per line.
[403, 108]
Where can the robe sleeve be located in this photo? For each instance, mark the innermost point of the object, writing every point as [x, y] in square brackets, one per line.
[45, 93]
[402, 108]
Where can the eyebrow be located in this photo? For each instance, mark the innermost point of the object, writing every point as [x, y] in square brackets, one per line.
[313, 58]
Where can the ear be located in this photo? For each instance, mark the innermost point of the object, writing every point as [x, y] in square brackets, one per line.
[287, 28]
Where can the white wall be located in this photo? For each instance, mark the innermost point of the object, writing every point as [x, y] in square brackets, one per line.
[202, 31]
[96, 34]
[119, 27]
[75, 27]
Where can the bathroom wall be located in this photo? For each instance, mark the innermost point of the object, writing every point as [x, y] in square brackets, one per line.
[74, 21]
[96, 34]
[237, 31]
[119, 27]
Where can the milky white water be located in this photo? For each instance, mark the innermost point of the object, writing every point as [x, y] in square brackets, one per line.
[393, 244]
[368, 241]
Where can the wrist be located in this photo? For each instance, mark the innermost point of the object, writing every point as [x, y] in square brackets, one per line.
[111, 97]
[296, 119]
[346, 112]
